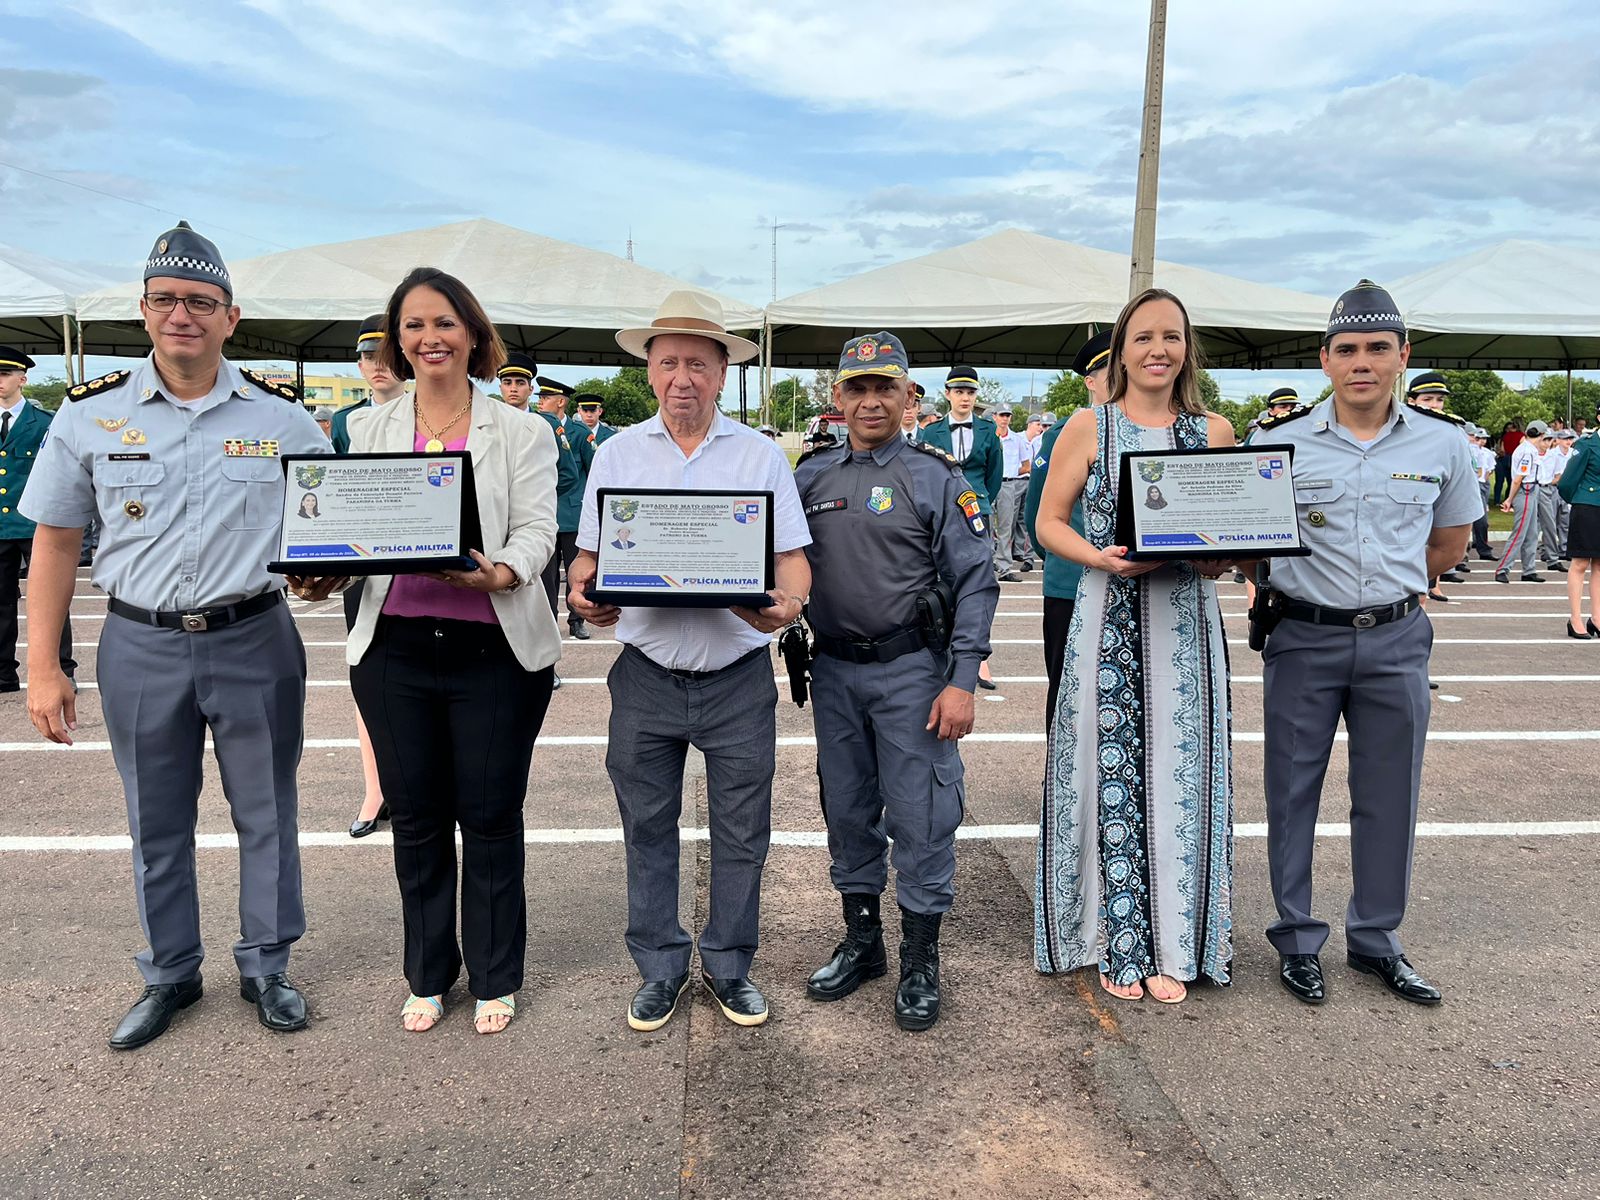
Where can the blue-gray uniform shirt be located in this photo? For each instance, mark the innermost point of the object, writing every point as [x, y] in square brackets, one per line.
[189, 496]
[885, 525]
[1366, 511]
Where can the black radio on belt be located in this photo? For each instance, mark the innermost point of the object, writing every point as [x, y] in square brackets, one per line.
[796, 651]
[936, 610]
[1265, 611]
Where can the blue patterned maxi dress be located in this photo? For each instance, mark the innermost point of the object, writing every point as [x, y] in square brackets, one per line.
[1135, 866]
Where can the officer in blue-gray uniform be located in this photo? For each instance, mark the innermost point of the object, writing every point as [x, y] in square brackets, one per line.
[1061, 575]
[903, 593]
[179, 459]
[23, 426]
[574, 437]
[1386, 496]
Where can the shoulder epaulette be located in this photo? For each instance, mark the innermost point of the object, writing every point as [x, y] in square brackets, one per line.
[281, 390]
[104, 383]
[937, 453]
[1293, 414]
[1438, 414]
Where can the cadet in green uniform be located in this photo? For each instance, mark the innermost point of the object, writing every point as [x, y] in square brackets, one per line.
[1061, 575]
[22, 429]
[890, 521]
[573, 438]
[591, 412]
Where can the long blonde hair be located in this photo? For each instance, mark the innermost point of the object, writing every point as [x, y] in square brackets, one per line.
[1186, 396]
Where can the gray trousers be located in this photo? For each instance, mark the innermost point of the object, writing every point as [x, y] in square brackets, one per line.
[1524, 530]
[1551, 544]
[1480, 527]
[1563, 520]
[161, 690]
[885, 775]
[1377, 679]
[1010, 538]
[731, 718]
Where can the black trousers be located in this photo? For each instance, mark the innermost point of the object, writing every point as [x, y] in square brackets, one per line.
[1057, 620]
[453, 718]
[565, 555]
[14, 555]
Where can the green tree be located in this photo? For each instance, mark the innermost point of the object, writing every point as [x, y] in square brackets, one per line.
[48, 394]
[1551, 391]
[628, 396]
[1521, 407]
[1065, 394]
[1472, 392]
[996, 395]
[1238, 415]
[1210, 392]
[822, 390]
[792, 404]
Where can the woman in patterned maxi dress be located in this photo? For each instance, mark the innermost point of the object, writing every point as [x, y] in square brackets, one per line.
[1135, 865]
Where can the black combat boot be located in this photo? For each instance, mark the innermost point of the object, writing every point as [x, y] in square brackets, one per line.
[858, 958]
[916, 1001]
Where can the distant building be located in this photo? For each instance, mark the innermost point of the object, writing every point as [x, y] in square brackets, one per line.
[336, 391]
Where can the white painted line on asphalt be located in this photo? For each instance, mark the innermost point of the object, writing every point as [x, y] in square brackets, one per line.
[1434, 678]
[1243, 737]
[83, 843]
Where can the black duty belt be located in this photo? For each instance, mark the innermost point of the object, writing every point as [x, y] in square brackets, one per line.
[1357, 618]
[873, 650]
[759, 651]
[200, 620]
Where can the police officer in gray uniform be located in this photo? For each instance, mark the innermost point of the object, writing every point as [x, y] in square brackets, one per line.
[890, 520]
[1386, 495]
[179, 460]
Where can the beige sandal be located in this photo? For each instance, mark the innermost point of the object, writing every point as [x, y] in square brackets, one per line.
[429, 1008]
[1134, 991]
[1183, 992]
[493, 1010]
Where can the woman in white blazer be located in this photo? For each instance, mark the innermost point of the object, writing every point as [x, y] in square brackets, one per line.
[453, 671]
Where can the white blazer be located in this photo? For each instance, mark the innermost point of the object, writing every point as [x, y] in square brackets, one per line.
[514, 473]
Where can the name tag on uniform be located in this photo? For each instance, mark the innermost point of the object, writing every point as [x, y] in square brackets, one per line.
[1314, 483]
[128, 458]
[822, 506]
[249, 448]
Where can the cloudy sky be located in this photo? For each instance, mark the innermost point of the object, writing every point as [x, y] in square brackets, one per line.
[1304, 145]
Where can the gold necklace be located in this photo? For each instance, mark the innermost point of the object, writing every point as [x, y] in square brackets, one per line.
[436, 440]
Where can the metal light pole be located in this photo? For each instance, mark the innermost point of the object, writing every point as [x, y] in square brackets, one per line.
[766, 338]
[1144, 216]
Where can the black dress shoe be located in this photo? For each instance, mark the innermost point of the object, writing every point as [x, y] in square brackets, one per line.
[1573, 633]
[1302, 975]
[279, 1005]
[1439, 596]
[1499, 578]
[1026, 565]
[916, 1000]
[1396, 974]
[360, 828]
[1555, 566]
[579, 629]
[655, 1002]
[1533, 578]
[1589, 625]
[1010, 577]
[858, 958]
[1452, 577]
[1488, 555]
[740, 1000]
[153, 1012]
[556, 686]
[987, 685]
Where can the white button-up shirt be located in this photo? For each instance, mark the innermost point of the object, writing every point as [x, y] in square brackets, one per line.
[731, 456]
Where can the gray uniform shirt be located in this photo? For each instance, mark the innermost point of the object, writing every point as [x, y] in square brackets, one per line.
[189, 496]
[1366, 511]
[885, 524]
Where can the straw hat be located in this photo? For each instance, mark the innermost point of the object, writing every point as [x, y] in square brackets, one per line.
[693, 313]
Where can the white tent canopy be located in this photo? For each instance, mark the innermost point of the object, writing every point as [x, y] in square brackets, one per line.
[1515, 306]
[36, 293]
[556, 301]
[1018, 299]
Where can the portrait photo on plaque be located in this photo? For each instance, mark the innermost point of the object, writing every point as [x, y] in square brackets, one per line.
[377, 514]
[664, 547]
[1215, 503]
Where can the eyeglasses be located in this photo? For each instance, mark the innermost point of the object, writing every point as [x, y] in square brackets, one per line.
[198, 306]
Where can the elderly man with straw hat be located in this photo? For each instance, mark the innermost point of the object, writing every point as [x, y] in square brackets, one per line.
[694, 677]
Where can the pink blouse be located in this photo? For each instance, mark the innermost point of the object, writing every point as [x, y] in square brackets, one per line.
[419, 596]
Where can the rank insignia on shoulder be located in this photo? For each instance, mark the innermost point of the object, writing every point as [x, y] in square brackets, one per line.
[1293, 414]
[115, 379]
[937, 453]
[1437, 413]
[281, 390]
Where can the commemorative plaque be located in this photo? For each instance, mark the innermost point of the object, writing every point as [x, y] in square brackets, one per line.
[1224, 502]
[662, 547]
[377, 514]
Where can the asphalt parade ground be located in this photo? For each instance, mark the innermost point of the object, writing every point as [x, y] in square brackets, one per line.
[1029, 1086]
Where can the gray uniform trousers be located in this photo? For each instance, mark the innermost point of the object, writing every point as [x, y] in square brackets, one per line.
[1551, 544]
[1377, 679]
[885, 775]
[731, 718]
[161, 689]
[1524, 531]
[1480, 527]
[1010, 538]
[1563, 520]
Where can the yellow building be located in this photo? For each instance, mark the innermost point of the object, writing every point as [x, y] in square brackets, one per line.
[336, 391]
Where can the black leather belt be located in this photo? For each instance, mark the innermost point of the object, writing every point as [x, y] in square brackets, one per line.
[873, 650]
[698, 675]
[199, 620]
[1357, 618]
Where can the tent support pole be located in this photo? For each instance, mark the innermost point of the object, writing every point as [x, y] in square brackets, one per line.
[1569, 397]
[80, 354]
[744, 394]
[66, 346]
[1144, 214]
[300, 378]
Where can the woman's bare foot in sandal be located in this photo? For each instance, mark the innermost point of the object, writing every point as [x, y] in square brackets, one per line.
[422, 1013]
[1122, 991]
[492, 1016]
[1166, 989]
